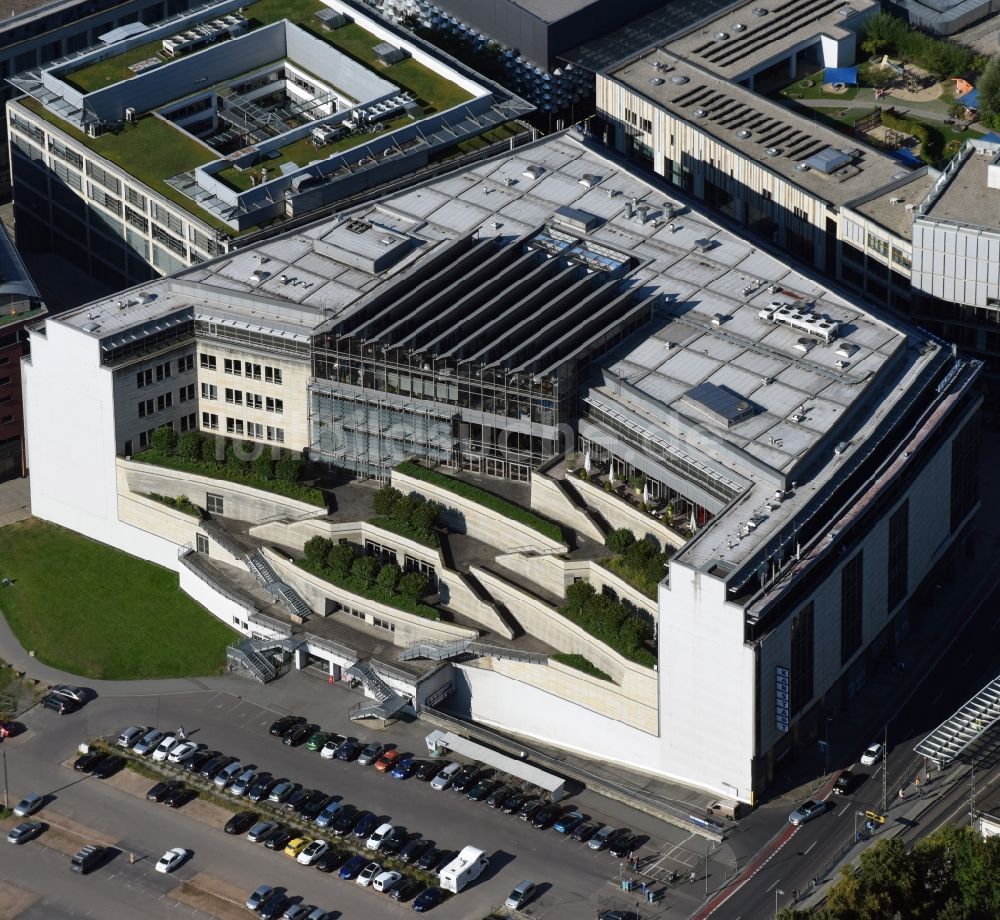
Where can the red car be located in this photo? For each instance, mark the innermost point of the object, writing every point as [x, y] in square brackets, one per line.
[7, 729]
[387, 761]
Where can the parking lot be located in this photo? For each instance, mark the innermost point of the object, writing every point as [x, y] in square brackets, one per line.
[573, 880]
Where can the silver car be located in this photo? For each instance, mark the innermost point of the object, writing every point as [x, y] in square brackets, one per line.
[228, 774]
[600, 839]
[806, 812]
[148, 742]
[28, 805]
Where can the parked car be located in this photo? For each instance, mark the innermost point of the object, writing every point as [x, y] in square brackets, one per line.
[280, 726]
[194, 762]
[316, 740]
[228, 774]
[261, 789]
[370, 753]
[428, 899]
[297, 735]
[350, 869]
[546, 816]
[431, 859]
[161, 790]
[76, 694]
[366, 875]
[349, 750]
[385, 880]
[601, 837]
[86, 762]
[569, 822]
[428, 769]
[274, 906]
[520, 895]
[262, 830]
[279, 839]
[512, 804]
[88, 858]
[330, 747]
[345, 821]
[8, 729]
[148, 742]
[584, 831]
[314, 807]
[312, 852]
[806, 812]
[394, 841]
[60, 704]
[108, 766]
[623, 845]
[180, 751]
[213, 766]
[405, 889]
[241, 822]
[846, 783]
[481, 790]
[529, 809]
[446, 775]
[165, 746]
[328, 813]
[365, 825]
[297, 911]
[179, 796]
[379, 834]
[283, 791]
[467, 777]
[498, 796]
[297, 799]
[129, 736]
[295, 846]
[244, 782]
[258, 896]
[25, 831]
[872, 754]
[171, 859]
[413, 850]
[405, 768]
[387, 761]
[332, 859]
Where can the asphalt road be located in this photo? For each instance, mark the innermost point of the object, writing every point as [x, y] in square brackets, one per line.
[574, 880]
[969, 664]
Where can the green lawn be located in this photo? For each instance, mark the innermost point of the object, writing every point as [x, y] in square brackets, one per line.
[798, 89]
[113, 69]
[94, 611]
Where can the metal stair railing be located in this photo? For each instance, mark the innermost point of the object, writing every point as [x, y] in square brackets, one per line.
[507, 654]
[291, 599]
[363, 672]
[248, 657]
[260, 568]
[953, 736]
[433, 649]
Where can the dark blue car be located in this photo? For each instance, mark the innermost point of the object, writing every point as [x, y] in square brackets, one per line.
[366, 824]
[428, 899]
[352, 868]
[405, 768]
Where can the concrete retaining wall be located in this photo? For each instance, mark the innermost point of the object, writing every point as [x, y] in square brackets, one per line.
[619, 513]
[548, 500]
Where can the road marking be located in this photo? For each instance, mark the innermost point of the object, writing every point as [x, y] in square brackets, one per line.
[811, 845]
[840, 813]
[774, 885]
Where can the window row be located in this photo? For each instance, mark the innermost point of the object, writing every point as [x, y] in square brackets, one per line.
[161, 372]
[251, 371]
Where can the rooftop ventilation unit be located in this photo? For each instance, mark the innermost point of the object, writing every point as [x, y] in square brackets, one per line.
[743, 134]
[829, 160]
[759, 11]
[589, 180]
[772, 151]
[700, 113]
[802, 167]
[801, 320]
[721, 36]
[657, 81]
[719, 403]
[805, 344]
[738, 27]
[532, 172]
[679, 79]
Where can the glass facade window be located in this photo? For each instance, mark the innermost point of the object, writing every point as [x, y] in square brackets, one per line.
[851, 615]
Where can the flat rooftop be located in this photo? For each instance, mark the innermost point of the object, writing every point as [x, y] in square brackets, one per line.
[747, 38]
[965, 198]
[769, 133]
[894, 208]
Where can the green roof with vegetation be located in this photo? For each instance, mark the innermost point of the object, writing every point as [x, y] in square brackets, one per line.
[100, 613]
[113, 69]
[494, 502]
[581, 664]
[639, 562]
[609, 620]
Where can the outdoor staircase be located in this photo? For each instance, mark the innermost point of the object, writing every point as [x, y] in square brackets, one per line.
[436, 650]
[251, 655]
[387, 701]
[572, 494]
[268, 579]
[959, 731]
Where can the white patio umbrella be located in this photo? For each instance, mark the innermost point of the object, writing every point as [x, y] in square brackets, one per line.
[586, 461]
[694, 522]
[645, 493]
[611, 475]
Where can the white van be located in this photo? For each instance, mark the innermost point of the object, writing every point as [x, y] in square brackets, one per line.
[464, 868]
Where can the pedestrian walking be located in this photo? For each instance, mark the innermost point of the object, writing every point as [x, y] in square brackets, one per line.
[644, 889]
[920, 789]
[902, 796]
[795, 895]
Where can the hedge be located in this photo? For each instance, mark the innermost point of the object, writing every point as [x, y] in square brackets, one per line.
[248, 476]
[181, 503]
[639, 562]
[931, 139]
[581, 664]
[407, 515]
[399, 601]
[501, 506]
[609, 621]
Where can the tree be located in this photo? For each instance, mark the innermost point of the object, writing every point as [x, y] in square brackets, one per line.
[424, 517]
[620, 540]
[189, 446]
[164, 440]
[210, 450]
[234, 461]
[263, 466]
[988, 89]
[413, 586]
[388, 578]
[289, 468]
[579, 594]
[339, 559]
[317, 549]
[364, 571]
[386, 500]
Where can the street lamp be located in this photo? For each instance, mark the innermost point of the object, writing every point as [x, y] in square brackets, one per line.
[777, 891]
[826, 745]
